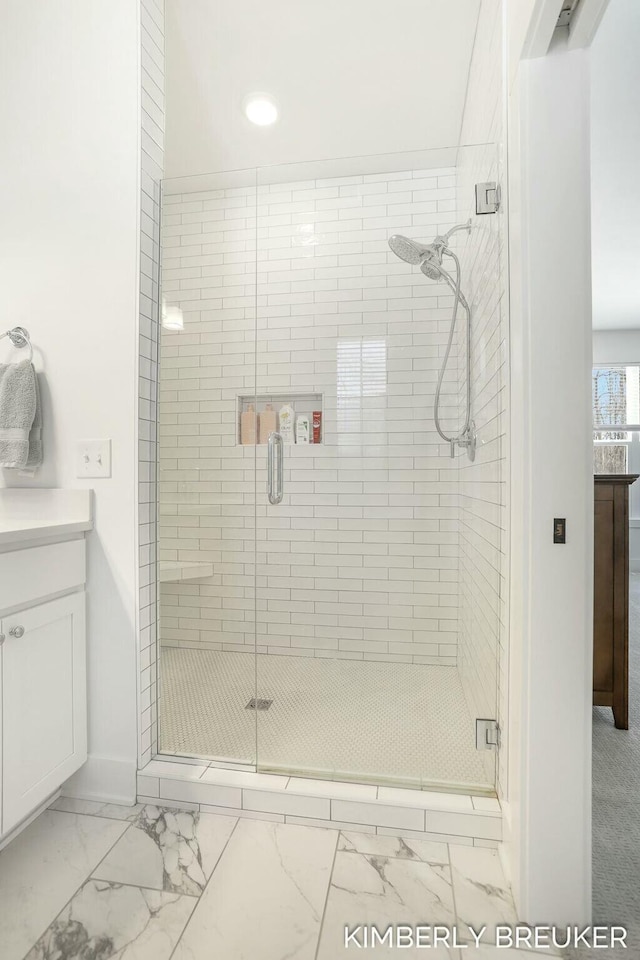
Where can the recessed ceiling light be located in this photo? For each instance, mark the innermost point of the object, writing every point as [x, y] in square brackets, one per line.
[260, 109]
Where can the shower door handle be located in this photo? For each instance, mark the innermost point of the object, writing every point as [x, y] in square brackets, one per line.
[275, 490]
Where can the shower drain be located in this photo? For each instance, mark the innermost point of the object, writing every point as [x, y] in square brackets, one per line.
[255, 704]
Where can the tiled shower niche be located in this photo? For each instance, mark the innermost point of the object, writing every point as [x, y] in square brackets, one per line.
[302, 404]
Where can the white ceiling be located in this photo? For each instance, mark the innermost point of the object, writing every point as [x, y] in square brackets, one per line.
[351, 77]
[615, 171]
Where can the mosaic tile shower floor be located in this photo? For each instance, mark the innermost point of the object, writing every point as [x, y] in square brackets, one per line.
[341, 719]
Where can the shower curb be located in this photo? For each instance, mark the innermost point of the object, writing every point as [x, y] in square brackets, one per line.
[445, 817]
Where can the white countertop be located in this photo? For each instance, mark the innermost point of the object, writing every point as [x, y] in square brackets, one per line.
[31, 514]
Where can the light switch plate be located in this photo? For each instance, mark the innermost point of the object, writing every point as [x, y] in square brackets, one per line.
[93, 459]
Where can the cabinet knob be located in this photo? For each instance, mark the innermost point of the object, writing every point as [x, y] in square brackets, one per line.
[16, 632]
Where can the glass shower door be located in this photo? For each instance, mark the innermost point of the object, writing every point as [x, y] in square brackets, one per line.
[207, 469]
[366, 637]
[330, 582]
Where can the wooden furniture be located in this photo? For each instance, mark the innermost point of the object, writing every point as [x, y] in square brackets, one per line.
[611, 595]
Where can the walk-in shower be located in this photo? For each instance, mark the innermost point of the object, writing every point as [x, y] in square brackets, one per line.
[429, 258]
[347, 628]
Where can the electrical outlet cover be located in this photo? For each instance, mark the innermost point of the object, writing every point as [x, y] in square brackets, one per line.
[93, 459]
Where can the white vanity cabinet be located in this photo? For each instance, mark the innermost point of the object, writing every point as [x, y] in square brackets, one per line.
[42, 672]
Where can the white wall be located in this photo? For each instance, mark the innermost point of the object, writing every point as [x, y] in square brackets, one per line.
[351, 78]
[549, 815]
[615, 158]
[69, 167]
[616, 346]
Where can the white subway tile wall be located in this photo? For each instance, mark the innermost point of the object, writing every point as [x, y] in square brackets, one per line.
[419, 814]
[360, 559]
[152, 147]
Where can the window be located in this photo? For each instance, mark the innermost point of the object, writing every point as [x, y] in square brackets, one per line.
[362, 389]
[616, 417]
[362, 369]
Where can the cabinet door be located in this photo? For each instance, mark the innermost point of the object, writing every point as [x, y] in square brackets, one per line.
[44, 710]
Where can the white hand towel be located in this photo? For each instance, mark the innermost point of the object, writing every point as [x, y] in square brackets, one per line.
[18, 404]
[34, 457]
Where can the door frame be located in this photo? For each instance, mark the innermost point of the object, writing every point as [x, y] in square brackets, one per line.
[548, 812]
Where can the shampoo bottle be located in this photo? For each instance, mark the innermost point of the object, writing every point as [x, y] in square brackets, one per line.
[248, 425]
[267, 423]
[302, 429]
[317, 425]
[286, 423]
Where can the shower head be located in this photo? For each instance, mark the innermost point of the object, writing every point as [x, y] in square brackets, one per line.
[408, 250]
[427, 255]
[431, 266]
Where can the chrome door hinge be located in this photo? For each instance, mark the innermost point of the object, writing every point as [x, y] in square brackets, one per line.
[487, 197]
[487, 735]
[566, 13]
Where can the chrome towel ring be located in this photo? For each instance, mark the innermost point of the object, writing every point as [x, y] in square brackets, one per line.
[19, 338]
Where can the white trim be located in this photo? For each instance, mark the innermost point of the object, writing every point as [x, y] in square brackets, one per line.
[544, 21]
[108, 779]
[616, 428]
[136, 411]
[585, 22]
[448, 817]
[13, 833]
[551, 586]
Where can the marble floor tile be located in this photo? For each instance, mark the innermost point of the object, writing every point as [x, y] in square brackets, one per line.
[107, 920]
[42, 868]
[369, 889]
[95, 808]
[266, 897]
[492, 952]
[429, 851]
[166, 849]
[481, 891]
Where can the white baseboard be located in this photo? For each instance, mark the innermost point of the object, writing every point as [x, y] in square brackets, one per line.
[13, 833]
[108, 779]
[506, 849]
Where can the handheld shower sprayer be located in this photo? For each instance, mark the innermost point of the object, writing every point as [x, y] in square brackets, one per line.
[429, 257]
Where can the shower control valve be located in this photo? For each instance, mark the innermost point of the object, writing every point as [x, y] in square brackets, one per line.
[467, 441]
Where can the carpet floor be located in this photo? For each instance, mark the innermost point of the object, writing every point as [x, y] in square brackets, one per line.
[616, 805]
